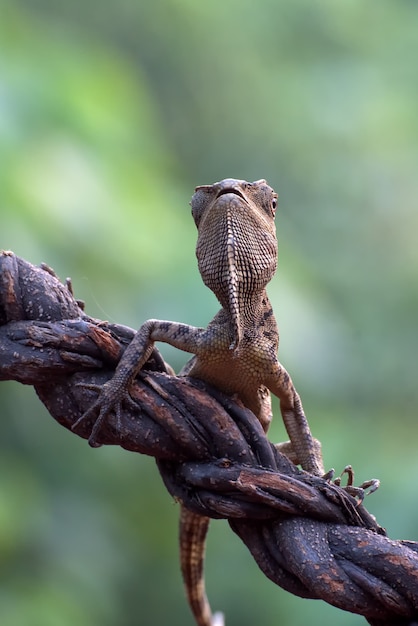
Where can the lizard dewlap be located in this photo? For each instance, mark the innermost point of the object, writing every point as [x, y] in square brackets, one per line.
[237, 246]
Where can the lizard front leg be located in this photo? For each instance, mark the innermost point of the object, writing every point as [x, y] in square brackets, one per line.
[112, 393]
[306, 450]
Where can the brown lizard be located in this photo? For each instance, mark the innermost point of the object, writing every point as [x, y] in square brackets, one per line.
[237, 352]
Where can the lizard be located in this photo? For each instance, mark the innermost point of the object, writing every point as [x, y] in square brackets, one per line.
[237, 353]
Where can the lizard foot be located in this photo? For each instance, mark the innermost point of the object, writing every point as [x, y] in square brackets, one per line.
[360, 491]
[110, 397]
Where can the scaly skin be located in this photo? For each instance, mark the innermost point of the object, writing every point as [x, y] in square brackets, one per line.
[237, 352]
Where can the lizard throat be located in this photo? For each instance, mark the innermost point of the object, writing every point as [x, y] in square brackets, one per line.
[237, 257]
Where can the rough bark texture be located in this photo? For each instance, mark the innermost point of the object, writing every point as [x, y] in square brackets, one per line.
[307, 535]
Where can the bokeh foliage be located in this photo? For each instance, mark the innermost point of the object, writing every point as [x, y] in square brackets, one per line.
[110, 114]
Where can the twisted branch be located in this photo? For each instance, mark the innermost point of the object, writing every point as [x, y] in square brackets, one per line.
[307, 535]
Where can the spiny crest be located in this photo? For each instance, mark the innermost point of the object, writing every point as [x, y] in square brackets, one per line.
[233, 291]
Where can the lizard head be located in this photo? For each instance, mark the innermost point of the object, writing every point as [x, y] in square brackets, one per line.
[236, 246]
[259, 194]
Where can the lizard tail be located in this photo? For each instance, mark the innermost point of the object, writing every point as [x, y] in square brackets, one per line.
[193, 530]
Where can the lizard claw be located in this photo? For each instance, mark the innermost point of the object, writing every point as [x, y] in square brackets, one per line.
[329, 475]
[357, 492]
[109, 399]
[373, 483]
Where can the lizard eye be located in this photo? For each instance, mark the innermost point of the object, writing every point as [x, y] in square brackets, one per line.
[274, 205]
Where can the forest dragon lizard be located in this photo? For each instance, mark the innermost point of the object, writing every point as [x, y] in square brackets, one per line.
[237, 352]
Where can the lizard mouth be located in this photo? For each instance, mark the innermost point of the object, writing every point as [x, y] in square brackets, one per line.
[232, 190]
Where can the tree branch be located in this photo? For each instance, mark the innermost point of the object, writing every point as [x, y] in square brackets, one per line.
[307, 535]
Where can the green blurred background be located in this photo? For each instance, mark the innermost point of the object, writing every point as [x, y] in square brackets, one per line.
[110, 114]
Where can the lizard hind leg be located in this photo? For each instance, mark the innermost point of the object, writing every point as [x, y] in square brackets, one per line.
[193, 531]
